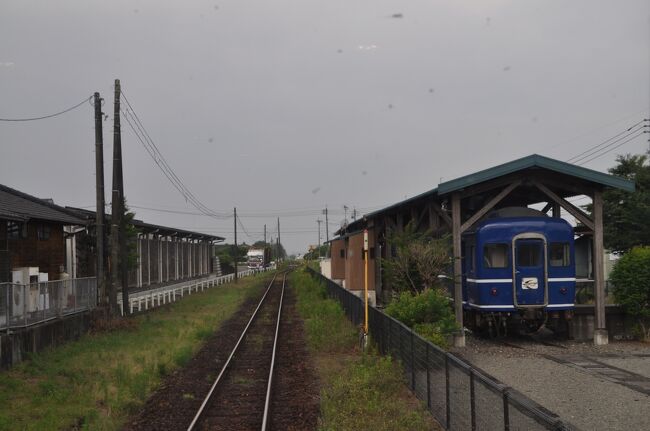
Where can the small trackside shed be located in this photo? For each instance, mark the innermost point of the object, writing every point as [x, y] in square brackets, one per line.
[32, 234]
[355, 264]
[337, 252]
[455, 206]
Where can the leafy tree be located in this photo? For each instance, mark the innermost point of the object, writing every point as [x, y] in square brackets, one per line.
[418, 259]
[317, 252]
[423, 303]
[631, 279]
[626, 215]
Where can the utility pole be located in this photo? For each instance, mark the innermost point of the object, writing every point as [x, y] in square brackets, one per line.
[345, 209]
[354, 214]
[117, 202]
[319, 221]
[279, 242]
[236, 249]
[327, 232]
[264, 235]
[99, 190]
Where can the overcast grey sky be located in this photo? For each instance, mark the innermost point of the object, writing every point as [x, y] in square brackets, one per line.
[288, 106]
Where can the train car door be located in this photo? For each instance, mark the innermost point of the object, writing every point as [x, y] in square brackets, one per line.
[530, 273]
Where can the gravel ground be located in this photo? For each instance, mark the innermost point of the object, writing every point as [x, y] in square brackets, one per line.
[582, 398]
[630, 363]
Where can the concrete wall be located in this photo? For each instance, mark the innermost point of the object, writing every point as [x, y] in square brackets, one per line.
[618, 324]
[326, 268]
[15, 346]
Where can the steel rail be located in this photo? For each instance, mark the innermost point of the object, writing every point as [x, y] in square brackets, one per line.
[267, 403]
[232, 353]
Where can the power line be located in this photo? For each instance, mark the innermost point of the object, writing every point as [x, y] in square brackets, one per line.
[147, 142]
[606, 143]
[613, 148]
[88, 99]
[167, 171]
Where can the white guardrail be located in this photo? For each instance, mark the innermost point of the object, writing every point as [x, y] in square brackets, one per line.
[144, 300]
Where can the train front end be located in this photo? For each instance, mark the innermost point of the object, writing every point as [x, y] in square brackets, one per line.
[519, 272]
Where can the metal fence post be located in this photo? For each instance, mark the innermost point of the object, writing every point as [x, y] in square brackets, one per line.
[428, 378]
[390, 339]
[412, 364]
[24, 287]
[472, 399]
[447, 390]
[506, 411]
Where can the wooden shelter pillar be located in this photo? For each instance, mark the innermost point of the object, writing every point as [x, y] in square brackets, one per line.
[459, 337]
[600, 333]
[557, 213]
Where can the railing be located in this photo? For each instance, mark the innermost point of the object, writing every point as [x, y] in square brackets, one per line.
[458, 395]
[27, 304]
[147, 299]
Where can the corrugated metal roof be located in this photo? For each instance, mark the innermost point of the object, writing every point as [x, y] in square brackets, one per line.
[538, 161]
[163, 230]
[16, 205]
[532, 161]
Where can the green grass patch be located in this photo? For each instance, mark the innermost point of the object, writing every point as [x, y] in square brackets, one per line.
[96, 382]
[360, 391]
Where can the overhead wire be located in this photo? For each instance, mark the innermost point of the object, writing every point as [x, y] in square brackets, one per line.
[50, 115]
[608, 142]
[171, 176]
[615, 147]
[147, 142]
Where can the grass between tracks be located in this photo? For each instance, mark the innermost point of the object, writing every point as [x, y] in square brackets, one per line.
[359, 391]
[99, 380]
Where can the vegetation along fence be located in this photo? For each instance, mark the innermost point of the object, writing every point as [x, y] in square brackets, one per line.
[27, 304]
[458, 395]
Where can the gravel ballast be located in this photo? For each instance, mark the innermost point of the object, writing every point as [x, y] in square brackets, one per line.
[581, 396]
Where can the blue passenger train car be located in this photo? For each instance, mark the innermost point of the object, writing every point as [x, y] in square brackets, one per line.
[519, 271]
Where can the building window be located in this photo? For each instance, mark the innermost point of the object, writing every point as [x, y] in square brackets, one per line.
[559, 254]
[43, 232]
[342, 253]
[495, 256]
[13, 230]
[3, 236]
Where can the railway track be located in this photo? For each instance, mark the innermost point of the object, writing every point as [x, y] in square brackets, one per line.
[240, 397]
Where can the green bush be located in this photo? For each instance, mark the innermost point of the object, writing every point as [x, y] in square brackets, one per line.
[429, 313]
[631, 280]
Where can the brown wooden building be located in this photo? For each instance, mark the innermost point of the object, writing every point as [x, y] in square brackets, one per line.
[32, 234]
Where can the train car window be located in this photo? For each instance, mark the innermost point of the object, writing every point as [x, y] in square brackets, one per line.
[559, 254]
[495, 256]
[529, 254]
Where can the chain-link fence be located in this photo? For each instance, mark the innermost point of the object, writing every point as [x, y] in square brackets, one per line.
[26, 304]
[458, 395]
